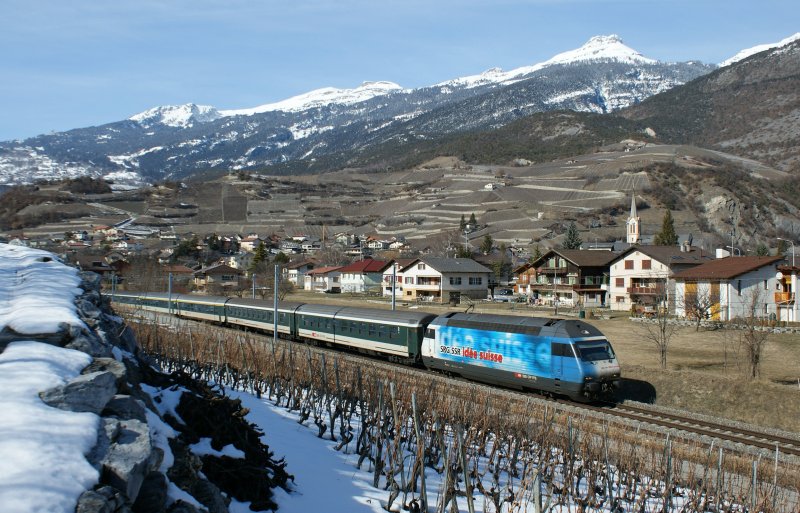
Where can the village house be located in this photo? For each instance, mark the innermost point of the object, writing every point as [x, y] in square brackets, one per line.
[295, 272]
[785, 298]
[217, 278]
[731, 287]
[567, 276]
[641, 277]
[250, 243]
[363, 276]
[445, 280]
[241, 260]
[394, 272]
[323, 279]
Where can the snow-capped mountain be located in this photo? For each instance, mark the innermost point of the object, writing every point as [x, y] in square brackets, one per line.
[603, 75]
[322, 97]
[747, 52]
[179, 116]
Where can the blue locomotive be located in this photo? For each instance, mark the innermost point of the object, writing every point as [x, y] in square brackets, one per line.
[564, 357]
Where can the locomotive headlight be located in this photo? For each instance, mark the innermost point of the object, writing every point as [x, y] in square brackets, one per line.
[587, 378]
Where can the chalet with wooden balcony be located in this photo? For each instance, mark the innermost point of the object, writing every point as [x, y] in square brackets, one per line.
[732, 287]
[642, 276]
[569, 277]
[785, 295]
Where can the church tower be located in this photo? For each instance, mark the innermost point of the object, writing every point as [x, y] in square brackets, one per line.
[634, 223]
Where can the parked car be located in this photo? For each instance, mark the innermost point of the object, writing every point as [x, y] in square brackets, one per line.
[504, 296]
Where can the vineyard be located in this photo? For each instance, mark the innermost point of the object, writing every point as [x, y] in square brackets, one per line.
[437, 445]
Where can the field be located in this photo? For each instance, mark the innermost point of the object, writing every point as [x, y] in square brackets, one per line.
[705, 369]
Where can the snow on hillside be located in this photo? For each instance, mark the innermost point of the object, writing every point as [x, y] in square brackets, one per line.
[747, 52]
[597, 48]
[179, 116]
[322, 97]
[43, 464]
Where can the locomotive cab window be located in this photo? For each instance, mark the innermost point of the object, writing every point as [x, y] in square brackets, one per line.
[595, 351]
[430, 333]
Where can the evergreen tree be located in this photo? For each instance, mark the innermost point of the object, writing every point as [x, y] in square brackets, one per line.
[537, 254]
[487, 245]
[463, 225]
[762, 250]
[281, 258]
[572, 240]
[783, 247]
[473, 223]
[259, 256]
[463, 252]
[667, 235]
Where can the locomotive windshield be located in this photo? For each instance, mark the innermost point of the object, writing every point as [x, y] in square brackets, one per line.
[594, 351]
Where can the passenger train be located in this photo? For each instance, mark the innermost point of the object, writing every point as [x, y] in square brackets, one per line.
[564, 357]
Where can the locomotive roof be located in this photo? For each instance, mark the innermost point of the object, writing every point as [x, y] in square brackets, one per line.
[563, 328]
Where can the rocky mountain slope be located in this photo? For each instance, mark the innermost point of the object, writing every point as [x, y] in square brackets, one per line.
[750, 108]
[602, 76]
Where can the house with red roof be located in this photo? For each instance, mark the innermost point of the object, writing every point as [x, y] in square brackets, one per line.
[323, 279]
[363, 276]
[730, 287]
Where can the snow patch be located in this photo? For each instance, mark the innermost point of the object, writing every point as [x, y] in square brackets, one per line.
[321, 98]
[747, 52]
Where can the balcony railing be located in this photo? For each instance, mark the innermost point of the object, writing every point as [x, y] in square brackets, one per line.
[641, 291]
[784, 297]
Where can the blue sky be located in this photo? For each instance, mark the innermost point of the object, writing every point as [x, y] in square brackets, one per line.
[76, 63]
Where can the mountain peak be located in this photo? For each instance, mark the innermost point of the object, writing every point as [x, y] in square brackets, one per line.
[608, 47]
[179, 116]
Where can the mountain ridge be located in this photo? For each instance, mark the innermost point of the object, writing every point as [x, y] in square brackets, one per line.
[603, 75]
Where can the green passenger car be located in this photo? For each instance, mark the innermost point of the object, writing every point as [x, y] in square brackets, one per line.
[260, 315]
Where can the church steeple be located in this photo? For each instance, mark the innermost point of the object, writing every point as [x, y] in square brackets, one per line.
[634, 223]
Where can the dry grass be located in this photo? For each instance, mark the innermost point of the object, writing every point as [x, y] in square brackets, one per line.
[707, 373]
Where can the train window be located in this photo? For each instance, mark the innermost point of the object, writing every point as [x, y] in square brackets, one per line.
[430, 333]
[371, 330]
[594, 351]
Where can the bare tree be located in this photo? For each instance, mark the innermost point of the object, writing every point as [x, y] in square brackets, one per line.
[753, 339]
[700, 303]
[658, 329]
[265, 282]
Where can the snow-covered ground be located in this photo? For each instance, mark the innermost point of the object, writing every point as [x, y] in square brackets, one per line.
[43, 465]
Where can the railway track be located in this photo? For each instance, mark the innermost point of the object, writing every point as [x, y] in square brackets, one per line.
[691, 426]
[686, 427]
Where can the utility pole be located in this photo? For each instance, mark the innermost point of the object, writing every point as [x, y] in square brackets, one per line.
[275, 311]
[394, 283]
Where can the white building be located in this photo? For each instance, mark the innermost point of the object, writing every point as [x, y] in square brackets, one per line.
[642, 276]
[324, 279]
[730, 287]
[634, 224]
[445, 279]
[395, 272]
[363, 276]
